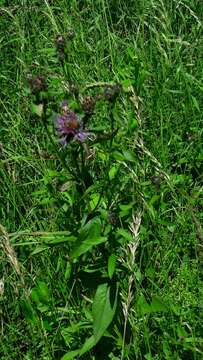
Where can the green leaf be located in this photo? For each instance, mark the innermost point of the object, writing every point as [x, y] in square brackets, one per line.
[118, 156]
[90, 235]
[94, 200]
[68, 271]
[148, 356]
[39, 249]
[89, 344]
[73, 104]
[37, 109]
[157, 305]
[154, 199]
[103, 310]
[142, 305]
[47, 51]
[133, 123]
[42, 308]
[125, 234]
[54, 239]
[29, 312]
[129, 155]
[111, 265]
[103, 313]
[71, 355]
[195, 103]
[126, 207]
[68, 332]
[40, 293]
[113, 171]
[138, 275]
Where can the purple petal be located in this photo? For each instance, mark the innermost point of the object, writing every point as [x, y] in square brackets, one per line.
[63, 141]
[82, 136]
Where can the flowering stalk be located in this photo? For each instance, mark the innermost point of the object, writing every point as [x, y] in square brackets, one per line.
[60, 158]
[71, 129]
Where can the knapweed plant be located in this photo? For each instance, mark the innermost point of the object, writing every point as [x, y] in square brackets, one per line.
[84, 131]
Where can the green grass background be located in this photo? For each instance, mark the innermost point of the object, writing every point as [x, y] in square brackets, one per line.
[157, 46]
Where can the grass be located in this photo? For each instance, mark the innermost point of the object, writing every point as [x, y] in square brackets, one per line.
[101, 257]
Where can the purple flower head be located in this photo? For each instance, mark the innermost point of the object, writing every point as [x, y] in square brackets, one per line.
[68, 126]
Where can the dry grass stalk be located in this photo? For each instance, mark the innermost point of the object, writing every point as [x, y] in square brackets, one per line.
[130, 252]
[8, 249]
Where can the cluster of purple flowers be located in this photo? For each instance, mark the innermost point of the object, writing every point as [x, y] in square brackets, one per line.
[69, 127]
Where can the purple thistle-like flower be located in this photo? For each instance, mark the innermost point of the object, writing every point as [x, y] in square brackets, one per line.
[68, 126]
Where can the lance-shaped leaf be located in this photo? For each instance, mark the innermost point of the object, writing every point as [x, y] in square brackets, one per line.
[104, 307]
[89, 236]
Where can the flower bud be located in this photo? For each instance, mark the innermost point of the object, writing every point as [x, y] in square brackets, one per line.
[111, 92]
[88, 104]
[60, 42]
[37, 84]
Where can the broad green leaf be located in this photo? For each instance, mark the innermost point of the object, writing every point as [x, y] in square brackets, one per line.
[68, 332]
[126, 207]
[103, 310]
[129, 155]
[35, 296]
[81, 248]
[125, 235]
[118, 156]
[181, 332]
[50, 174]
[138, 275]
[94, 200]
[157, 305]
[89, 236]
[89, 344]
[102, 155]
[111, 265]
[37, 109]
[142, 305]
[29, 312]
[40, 293]
[133, 123]
[113, 171]
[71, 355]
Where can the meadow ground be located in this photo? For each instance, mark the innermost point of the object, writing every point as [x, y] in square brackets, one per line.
[101, 240]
